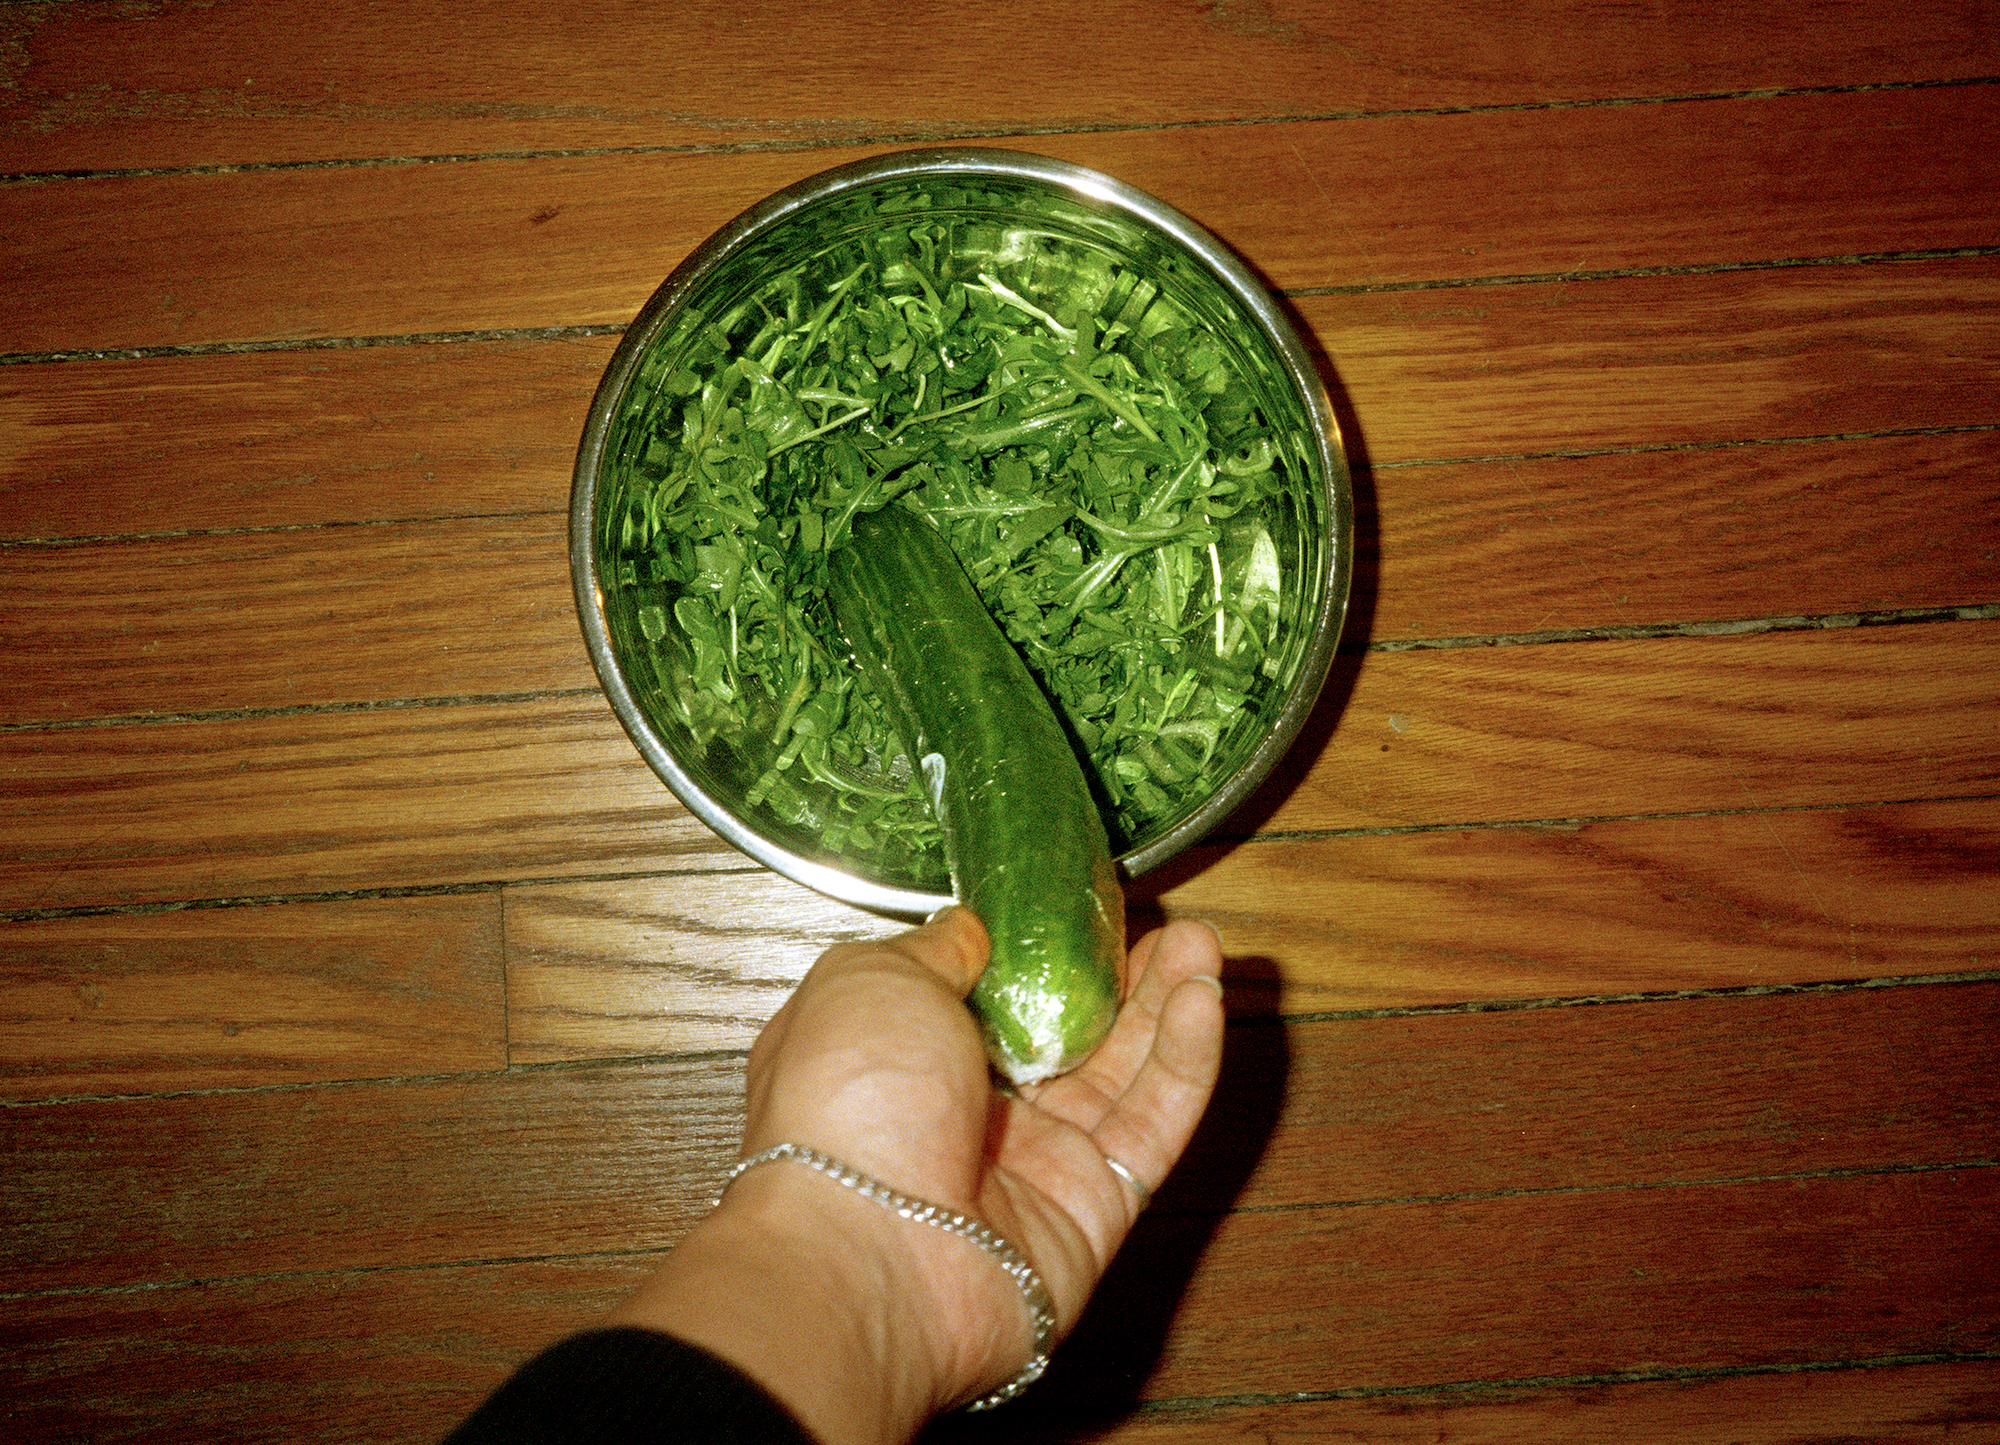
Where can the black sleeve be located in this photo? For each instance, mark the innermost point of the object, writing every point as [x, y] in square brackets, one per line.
[629, 1386]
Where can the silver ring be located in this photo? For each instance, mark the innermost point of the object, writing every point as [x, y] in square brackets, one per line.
[1145, 1194]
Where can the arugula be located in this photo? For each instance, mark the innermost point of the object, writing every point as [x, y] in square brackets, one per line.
[1096, 455]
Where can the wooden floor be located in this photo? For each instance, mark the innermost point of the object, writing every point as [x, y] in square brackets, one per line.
[1614, 968]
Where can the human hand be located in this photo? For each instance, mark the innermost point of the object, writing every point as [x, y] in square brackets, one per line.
[876, 1060]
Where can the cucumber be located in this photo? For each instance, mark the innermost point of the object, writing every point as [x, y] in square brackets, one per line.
[1024, 840]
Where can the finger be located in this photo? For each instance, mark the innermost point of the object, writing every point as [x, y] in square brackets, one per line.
[1186, 948]
[1081, 1095]
[1143, 1137]
[1148, 1125]
[860, 993]
[1160, 962]
[951, 944]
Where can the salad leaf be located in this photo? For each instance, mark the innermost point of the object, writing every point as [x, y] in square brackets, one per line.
[1096, 455]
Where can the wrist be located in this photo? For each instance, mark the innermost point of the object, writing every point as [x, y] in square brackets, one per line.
[862, 1322]
[950, 1322]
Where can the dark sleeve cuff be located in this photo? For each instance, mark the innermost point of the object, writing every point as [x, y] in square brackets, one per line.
[629, 1386]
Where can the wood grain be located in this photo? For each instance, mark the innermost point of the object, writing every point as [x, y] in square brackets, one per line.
[1445, 1107]
[1510, 547]
[1702, 1277]
[1323, 1120]
[1317, 925]
[1640, 1091]
[1664, 361]
[381, 1357]
[397, 596]
[1583, 367]
[421, 1170]
[137, 261]
[1875, 1406]
[1337, 1300]
[218, 998]
[1611, 964]
[467, 608]
[324, 803]
[286, 439]
[1414, 199]
[275, 1359]
[176, 84]
[1597, 909]
[547, 789]
[1598, 729]
[482, 606]
[662, 965]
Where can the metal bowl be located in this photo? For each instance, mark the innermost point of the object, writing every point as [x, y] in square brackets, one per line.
[969, 191]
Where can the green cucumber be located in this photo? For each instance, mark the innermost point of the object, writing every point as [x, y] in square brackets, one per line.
[1024, 840]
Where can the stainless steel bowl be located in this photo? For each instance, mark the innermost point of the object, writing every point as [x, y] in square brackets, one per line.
[1067, 205]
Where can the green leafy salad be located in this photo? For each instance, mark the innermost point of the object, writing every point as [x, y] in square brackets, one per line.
[1094, 453]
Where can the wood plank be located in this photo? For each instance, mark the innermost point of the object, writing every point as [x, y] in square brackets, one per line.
[551, 788]
[176, 85]
[366, 1356]
[1597, 909]
[266, 619]
[276, 1359]
[1775, 1086]
[482, 606]
[356, 434]
[118, 262]
[1484, 548]
[331, 802]
[1329, 1119]
[217, 998]
[422, 1373]
[396, 1173]
[1589, 366]
[1665, 361]
[1715, 522]
[1709, 1279]
[662, 965]
[1656, 1093]
[1602, 729]
[1424, 920]
[1403, 199]
[1581, 1083]
[365, 1175]
[1876, 1406]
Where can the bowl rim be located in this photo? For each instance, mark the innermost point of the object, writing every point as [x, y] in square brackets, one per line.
[1245, 287]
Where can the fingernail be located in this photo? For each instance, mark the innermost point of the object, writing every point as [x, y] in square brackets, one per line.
[939, 914]
[1211, 980]
[1191, 918]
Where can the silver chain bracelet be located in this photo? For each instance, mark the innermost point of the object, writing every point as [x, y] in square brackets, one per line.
[1040, 1312]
